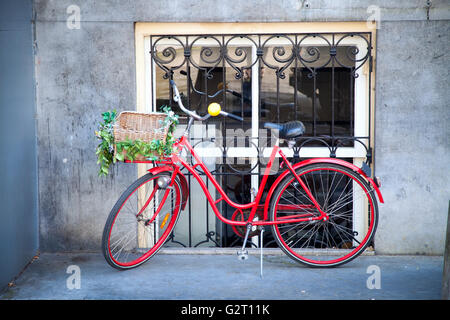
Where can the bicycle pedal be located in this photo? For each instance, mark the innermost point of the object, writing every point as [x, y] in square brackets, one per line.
[242, 255]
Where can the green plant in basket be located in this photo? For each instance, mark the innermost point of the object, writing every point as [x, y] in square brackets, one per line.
[131, 149]
[105, 150]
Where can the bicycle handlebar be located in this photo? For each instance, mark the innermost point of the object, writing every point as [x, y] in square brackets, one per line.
[177, 99]
[232, 116]
[193, 114]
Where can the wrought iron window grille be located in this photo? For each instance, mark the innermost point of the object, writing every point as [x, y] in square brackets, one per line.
[307, 64]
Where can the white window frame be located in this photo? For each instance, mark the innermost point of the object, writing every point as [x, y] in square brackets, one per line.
[362, 92]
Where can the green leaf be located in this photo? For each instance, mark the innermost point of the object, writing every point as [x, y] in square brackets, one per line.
[120, 156]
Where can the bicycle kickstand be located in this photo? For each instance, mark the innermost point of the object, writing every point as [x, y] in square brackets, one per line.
[261, 246]
[243, 254]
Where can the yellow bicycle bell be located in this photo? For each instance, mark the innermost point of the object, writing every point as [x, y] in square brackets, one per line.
[214, 109]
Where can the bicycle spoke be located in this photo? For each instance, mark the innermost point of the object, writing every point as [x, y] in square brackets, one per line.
[131, 239]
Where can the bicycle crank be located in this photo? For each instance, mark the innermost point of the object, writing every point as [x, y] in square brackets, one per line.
[240, 215]
[243, 254]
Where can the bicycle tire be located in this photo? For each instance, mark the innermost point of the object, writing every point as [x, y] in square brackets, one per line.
[142, 238]
[325, 243]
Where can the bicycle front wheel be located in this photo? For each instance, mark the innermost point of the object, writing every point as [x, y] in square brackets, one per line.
[140, 222]
[348, 200]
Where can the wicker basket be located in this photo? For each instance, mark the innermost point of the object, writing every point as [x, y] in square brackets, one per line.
[143, 126]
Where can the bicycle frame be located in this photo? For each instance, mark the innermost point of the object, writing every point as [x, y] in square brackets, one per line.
[254, 205]
[166, 175]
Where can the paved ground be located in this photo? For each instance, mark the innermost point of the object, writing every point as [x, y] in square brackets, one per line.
[210, 277]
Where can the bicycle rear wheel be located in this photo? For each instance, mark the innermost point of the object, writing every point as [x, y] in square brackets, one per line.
[348, 200]
[140, 222]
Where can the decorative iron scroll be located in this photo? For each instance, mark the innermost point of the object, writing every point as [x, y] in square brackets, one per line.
[296, 49]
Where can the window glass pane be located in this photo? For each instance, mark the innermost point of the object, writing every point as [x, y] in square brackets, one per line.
[205, 81]
[316, 90]
[201, 81]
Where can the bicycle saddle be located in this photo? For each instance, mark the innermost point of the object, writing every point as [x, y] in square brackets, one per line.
[288, 130]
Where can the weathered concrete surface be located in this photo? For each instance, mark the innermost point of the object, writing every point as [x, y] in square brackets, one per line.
[205, 277]
[81, 73]
[241, 10]
[413, 135]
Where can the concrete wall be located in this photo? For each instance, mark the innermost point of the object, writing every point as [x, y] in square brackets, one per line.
[18, 169]
[81, 73]
[413, 135]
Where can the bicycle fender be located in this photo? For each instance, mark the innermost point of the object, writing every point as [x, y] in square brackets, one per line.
[320, 160]
[348, 165]
[159, 169]
[182, 178]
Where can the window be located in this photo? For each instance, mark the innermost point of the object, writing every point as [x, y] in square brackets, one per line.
[319, 77]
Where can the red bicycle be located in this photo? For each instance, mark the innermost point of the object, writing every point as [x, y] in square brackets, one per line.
[323, 212]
